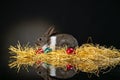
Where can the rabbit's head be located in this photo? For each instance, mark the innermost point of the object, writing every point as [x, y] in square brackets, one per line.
[44, 39]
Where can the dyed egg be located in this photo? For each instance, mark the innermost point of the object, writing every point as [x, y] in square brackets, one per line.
[47, 50]
[40, 50]
[70, 51]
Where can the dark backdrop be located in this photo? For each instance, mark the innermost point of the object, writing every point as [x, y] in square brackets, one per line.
[25, 20]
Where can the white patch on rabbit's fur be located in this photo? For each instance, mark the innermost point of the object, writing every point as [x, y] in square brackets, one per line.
[52, 45]
[53, 42]
[44, 65]
[52, 71]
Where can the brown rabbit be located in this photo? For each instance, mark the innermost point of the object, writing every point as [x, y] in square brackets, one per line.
[54, 41]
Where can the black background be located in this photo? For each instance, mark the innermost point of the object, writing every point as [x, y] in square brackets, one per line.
[98, 19]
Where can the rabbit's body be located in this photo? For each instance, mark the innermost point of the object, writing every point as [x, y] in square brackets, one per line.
[57, 41]
[61, 40]
[65, 40]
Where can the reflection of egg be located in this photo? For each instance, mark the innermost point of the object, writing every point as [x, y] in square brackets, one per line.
[69, 67]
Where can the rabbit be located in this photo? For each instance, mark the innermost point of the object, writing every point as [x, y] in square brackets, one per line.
[53, 40]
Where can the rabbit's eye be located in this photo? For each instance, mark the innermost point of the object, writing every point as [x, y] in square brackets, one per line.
[40, 39]
[39, 72]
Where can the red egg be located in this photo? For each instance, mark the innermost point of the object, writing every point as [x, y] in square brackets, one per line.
[38, 62]
[40, 50]
[69, 66]
[70, 51]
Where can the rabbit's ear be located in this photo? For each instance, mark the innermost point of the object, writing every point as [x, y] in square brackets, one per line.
[50, 31]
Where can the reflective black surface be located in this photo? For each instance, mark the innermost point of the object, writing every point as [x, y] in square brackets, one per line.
[25, 20]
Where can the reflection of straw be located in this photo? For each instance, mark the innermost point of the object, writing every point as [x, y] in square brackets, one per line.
[88, 58]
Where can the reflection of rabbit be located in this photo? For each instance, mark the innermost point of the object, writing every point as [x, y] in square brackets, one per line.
[43, 72]
[54, 41]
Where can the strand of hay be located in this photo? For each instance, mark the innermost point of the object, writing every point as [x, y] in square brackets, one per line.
[88, 58]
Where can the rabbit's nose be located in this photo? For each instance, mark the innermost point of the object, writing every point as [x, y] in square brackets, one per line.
[37, 43]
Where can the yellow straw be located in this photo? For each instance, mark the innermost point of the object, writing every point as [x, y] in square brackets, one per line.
[87, 58]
